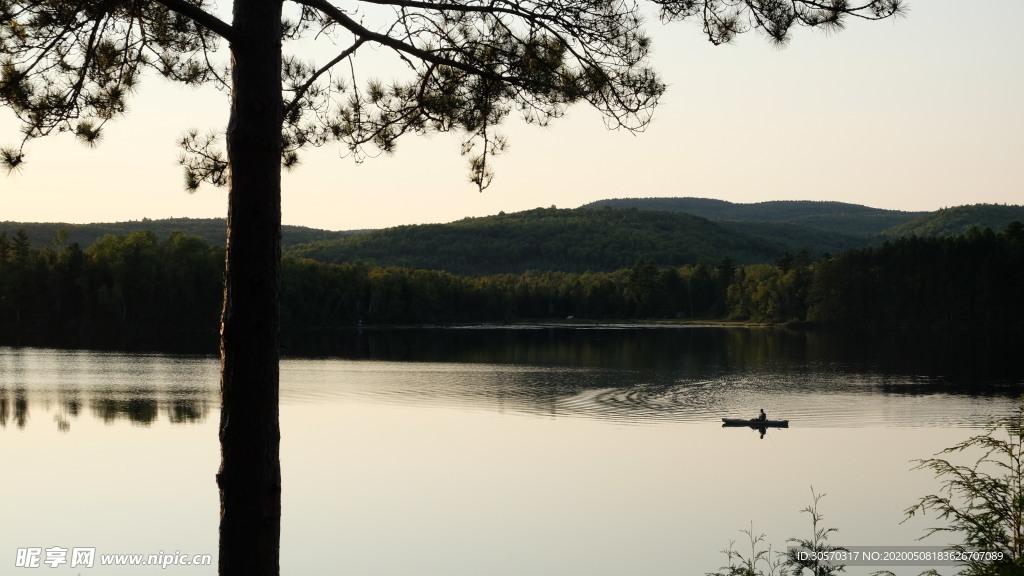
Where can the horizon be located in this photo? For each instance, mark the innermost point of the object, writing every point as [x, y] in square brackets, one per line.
[912, 114]
[146, 218]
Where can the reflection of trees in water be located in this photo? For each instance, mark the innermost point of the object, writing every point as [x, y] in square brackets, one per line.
[137, 410]
[141, 407]
[183, 411]
[20, 407]
[607, 347]
[4, 407]
[146, 409]
[972, 360]
[16, 404]
[69, 406]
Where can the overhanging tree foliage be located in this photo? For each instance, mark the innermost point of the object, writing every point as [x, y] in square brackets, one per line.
[69, 66]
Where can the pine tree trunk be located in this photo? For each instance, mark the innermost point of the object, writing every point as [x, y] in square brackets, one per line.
[250, 472]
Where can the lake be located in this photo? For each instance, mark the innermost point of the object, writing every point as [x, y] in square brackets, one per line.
[543, 451]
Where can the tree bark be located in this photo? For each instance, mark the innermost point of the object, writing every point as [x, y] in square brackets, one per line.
[250, 473]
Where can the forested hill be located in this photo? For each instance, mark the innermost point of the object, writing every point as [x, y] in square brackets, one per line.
[586, 238]
[573, 240]
[850, 219]
[959, 219]
[211, 229]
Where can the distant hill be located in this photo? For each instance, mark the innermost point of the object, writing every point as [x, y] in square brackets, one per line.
[212, 229]
[597, 237]
[792, 238]
[959, 219]
[849, 219]
[573, 240]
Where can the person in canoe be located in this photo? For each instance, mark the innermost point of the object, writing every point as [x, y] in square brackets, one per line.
[762, 416]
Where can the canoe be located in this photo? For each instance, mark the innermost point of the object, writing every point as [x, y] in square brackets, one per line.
[755, 423]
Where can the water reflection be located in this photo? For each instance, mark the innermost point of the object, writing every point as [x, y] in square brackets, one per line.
[58, 386]
[972, 362]
[631, 375]
[810, 398]
[144, 407]
[19, 404]
[561, 452]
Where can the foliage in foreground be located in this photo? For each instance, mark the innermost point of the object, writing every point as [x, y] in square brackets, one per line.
[762, 562]
[982, 504]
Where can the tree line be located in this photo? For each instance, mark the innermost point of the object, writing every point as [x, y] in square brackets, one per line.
[120, 280]
[139, 280]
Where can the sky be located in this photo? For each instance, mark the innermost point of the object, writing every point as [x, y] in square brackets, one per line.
[918, 113]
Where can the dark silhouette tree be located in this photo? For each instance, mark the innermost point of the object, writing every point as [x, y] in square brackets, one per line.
[70, 66]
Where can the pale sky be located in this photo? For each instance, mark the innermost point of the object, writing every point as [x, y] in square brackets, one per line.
[918, 113]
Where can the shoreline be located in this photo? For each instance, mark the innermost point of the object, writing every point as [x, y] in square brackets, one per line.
[583, 324]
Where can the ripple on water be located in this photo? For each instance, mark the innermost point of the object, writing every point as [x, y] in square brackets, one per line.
[803, 406]
[814, 399]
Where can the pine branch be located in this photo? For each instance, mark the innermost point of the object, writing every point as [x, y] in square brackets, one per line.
[365, 34]
[201, 17]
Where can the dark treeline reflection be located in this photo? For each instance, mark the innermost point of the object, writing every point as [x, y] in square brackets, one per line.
[628, 373]
[129, 339]
[974, 362]
[13, 407]
[19, 406]
[654, 374]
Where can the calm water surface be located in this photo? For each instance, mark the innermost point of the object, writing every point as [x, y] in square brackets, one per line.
[500, 452]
